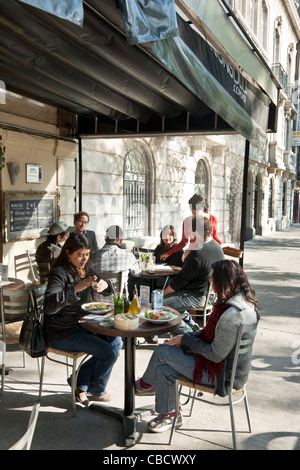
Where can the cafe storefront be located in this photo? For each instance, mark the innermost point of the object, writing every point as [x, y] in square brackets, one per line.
[128, 127]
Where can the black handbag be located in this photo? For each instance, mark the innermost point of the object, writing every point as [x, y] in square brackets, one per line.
[32, 339]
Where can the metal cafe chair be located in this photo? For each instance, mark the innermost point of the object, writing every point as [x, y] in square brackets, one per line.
[245, 339]
[57, 352]
[116, 279]
[74, 356]
[205, 311]
[14, 305]
[23, 269]
[33, 266]
[25, 442]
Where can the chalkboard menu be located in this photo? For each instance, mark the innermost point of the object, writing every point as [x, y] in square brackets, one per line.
[32, 214]
[27, 215]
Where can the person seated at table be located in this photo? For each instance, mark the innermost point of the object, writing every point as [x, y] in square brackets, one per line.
[198, 207]
[50, 249]
[69, 283]
[189, 287]
[81, 220]
[205, 357]
[112, 258]
[168, 240]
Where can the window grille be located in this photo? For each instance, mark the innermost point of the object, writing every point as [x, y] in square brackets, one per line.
[201, 180]
[136, 194]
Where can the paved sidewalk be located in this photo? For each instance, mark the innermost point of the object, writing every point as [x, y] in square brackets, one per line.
[273, 267]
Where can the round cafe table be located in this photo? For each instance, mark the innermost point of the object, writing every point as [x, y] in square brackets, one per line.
[14, 284]
[157, 274]
[128, 416]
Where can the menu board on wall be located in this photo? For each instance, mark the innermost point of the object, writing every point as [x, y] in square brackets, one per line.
[26, 215]
[31, 214]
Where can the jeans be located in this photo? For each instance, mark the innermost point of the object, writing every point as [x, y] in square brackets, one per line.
[95, 372]
[182, 301]
[165, 365]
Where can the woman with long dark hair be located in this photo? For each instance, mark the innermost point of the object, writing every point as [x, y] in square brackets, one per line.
[69, 283]
[168, 240]
[201, 355]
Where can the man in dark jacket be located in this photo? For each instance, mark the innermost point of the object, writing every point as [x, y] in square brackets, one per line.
[190, 286]
[81, 219]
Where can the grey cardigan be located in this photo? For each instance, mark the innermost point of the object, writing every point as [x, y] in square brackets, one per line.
[222, 348]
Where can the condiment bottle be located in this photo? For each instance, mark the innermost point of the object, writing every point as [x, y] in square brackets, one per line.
[135, 306]
[126, 301]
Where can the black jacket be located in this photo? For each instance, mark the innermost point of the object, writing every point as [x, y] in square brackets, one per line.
[196, 271]
[62, 306]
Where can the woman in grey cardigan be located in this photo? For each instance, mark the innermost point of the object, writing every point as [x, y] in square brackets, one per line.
[204, 356]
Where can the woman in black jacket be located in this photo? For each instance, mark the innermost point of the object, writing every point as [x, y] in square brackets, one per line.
[69, 283]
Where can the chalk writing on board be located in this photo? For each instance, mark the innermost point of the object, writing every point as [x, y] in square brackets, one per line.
[30, 214]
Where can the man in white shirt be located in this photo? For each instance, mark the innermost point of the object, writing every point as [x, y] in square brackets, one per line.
[112, 258]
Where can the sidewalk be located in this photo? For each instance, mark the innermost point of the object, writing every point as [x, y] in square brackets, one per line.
[272, 264]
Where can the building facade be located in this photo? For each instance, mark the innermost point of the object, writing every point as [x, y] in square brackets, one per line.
[144, 183]
[153, 178]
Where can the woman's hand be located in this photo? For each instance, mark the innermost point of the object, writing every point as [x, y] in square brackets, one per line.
[176, 341]
[164, 256]
[100, 286]
[89, 281]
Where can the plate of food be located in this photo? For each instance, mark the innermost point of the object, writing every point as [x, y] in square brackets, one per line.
[97, 307]
[159, 316]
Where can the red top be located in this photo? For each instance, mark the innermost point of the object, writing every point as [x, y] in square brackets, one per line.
[187, 231]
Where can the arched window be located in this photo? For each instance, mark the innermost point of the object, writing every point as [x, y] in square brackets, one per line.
[202, 179]
[136, 193]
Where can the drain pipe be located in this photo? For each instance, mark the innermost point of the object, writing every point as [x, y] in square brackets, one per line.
[79, 174]
[244, 201]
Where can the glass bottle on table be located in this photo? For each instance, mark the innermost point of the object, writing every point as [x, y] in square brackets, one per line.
[136, 305]
[126, 300]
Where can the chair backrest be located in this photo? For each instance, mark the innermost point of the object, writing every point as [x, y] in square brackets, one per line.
[37, 298]
[43, 268]
[208, 295]
[245, 339]
[33, 265]
[14, 305]
[206, 309]
[116, 280]
[23, 268]
[25, 442]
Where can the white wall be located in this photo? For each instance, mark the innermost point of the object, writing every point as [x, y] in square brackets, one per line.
[56, 156]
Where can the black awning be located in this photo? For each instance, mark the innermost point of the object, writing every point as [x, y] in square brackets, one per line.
[165, 86]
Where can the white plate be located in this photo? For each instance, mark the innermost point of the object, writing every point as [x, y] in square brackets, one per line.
[172, 317]
[86, 307]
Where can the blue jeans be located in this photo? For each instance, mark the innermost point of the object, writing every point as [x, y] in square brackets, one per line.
[95, 372]
[182, 301]
[165, 365]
